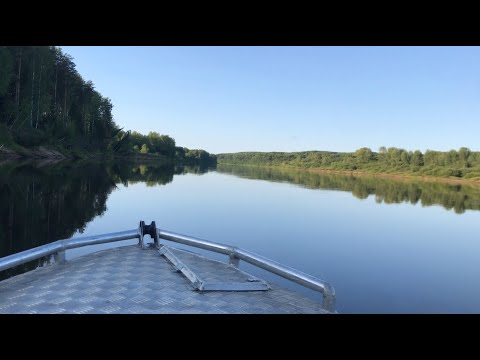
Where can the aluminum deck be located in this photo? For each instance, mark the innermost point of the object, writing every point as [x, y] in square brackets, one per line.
[131, 280]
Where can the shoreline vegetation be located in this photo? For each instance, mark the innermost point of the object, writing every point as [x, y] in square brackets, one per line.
[355, 173]
[48, 111]
[399, 176]
[462, 166]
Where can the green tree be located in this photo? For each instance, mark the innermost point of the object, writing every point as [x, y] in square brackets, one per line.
[6, 69]
[463, 155]
[41, 89]
[451, 157]
[404, 157]
[417, 158]
[364, 154]
[144, 149]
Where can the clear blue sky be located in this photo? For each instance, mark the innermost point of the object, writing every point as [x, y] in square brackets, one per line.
[228, 99]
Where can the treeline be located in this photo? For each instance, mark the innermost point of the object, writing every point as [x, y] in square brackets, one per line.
[456, 197]
[45, 101]
[463, 163]
[154, 143]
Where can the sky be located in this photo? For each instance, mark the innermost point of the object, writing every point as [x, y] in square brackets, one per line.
[231, 99]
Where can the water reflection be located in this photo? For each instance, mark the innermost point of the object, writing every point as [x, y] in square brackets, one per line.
[43, 202]
[456, 197]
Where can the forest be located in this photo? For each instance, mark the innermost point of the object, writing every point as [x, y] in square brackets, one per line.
[45, 102]
[462, 163]
[154, 143]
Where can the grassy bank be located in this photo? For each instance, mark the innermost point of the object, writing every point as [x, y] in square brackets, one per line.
[399, 175]
[461, 165]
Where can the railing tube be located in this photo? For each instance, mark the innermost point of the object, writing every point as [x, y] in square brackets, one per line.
[61, 245]
[100, 239]
[200, 243]
[289, 273]
[29, 255]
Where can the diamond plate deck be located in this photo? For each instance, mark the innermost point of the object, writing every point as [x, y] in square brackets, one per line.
[130, 280]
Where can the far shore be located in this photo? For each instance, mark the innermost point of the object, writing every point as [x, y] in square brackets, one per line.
[451, 180]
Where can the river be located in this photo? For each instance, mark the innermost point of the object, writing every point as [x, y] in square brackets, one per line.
[386, 245]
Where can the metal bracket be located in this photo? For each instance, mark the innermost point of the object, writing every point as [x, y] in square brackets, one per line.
[148, 230]
[59, 257]
[197, 283]
[253, 284]
[234, 261]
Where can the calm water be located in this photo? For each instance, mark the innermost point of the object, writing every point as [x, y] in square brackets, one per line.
[387, 246]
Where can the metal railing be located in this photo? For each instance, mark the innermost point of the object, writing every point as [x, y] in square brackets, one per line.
[59, 247]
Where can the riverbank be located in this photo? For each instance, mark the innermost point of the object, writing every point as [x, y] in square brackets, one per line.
[40, 152]
[452, 180]
[453, 166]
[18, 152]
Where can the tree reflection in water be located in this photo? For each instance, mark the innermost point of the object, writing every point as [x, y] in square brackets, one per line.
[459, 197]
[44, 202]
